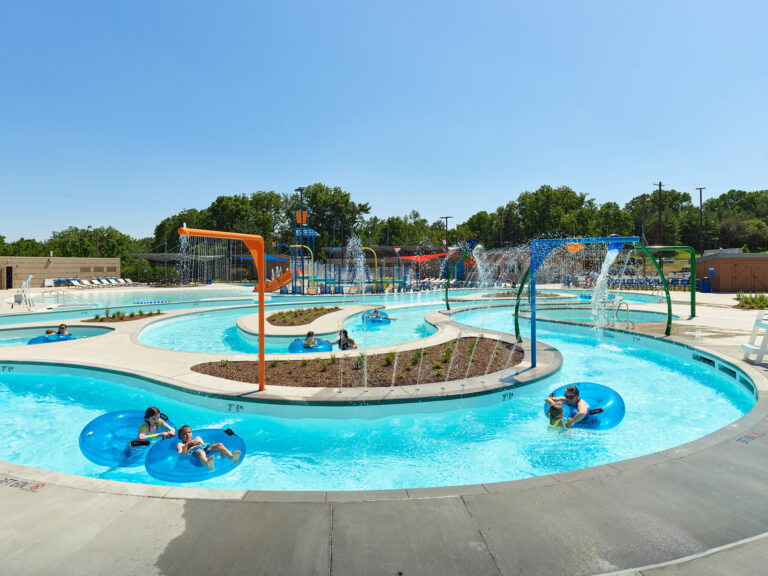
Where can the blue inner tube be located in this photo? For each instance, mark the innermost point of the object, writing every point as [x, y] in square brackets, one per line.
[606, 406]
[165, 463]
[46, 338]
[366, 317]
[105, 440]
[321, 346]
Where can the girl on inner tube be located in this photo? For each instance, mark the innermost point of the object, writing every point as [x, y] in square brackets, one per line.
[572, 399]
[153, 425]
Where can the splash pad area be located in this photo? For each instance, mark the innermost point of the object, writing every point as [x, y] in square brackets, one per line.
[496, 513]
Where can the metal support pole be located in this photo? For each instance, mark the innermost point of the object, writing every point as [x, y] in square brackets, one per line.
[701, 222]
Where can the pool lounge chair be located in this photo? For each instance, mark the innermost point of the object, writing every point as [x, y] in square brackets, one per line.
[87, 283]
[112, 281]
[75, 283]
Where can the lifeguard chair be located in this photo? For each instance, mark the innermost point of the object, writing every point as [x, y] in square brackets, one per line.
[752, 347]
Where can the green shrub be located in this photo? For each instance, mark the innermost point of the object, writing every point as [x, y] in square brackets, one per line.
[272, 363]
[97, 317]
[447, 354]
[389, 359]
[323, 366]
[333, 359]
[224, 363]
[132, 314]
[304, 362]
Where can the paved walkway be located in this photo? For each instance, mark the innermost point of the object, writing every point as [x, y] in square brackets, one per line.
[701, 508]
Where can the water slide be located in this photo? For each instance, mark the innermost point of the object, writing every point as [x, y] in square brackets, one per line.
[275, 284]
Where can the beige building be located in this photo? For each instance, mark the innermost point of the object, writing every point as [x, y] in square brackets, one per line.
[15, 269]
[734, 272]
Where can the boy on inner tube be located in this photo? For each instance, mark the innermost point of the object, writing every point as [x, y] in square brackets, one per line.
[196, 446]
[571, 398]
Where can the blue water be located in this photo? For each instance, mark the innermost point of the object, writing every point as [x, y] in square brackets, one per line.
[20, 336]
[670, 399]
[585, 315]
[217, 331]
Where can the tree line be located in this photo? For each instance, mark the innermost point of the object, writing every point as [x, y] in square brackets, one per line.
[735, 219]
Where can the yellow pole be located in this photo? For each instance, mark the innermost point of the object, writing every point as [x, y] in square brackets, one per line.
[311, 261]
[375, 263]
[256, 246]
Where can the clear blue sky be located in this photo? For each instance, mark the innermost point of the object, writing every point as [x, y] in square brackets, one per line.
[123, 113]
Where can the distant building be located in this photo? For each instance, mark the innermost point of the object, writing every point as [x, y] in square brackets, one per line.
[734, 271]
[15, 269]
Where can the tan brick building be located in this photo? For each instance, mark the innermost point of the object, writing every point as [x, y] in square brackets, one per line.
[15, 269]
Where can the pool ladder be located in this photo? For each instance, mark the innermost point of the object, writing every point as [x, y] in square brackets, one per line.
[616, 310]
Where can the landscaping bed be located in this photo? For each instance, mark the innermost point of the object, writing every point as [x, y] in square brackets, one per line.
[454, 360]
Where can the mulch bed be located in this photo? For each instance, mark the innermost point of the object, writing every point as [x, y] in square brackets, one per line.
[347, 369]
[299, 316]
[126, 318]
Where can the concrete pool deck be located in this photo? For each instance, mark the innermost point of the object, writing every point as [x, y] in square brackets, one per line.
[700, 508]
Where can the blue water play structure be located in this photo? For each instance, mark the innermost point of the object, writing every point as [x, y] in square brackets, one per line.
[165, 463]
[542, 247]
[112, 439]
[606, 406]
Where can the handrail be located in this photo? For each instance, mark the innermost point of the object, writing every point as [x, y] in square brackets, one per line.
[618, 307]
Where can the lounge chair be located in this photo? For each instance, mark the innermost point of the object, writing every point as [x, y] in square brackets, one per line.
[87, 283]
[311, 291]
[113, 282]
[75, 283]
[353, 290]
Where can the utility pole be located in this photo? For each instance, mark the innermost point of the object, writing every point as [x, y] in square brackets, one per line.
[659, 234]
[701, 222]
[501, 226]
[446, 229]
[642, 234]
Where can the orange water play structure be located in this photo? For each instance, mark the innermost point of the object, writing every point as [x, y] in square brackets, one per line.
[255, 245]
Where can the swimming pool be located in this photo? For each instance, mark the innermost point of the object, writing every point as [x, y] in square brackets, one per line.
[21, 336]
[670, 395]
[217, 332]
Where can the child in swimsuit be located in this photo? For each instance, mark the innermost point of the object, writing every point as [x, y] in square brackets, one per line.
[196, 446]
[154, 426]
[555, 413]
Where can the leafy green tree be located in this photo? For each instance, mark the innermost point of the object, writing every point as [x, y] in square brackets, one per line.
[330, 209]
[542, 212]
[26, 247]
[167, 229]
